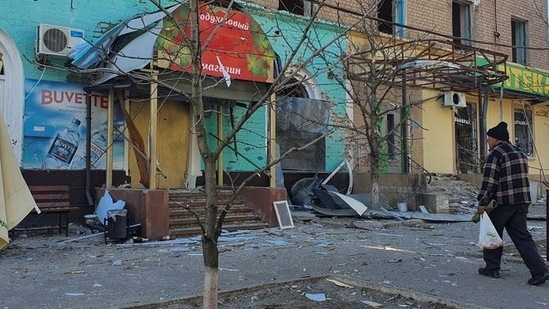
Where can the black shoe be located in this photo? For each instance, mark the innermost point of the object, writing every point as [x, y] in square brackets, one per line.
[490, 273]
[539, 279]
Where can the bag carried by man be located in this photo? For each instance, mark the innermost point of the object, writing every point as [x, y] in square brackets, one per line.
[488, 237]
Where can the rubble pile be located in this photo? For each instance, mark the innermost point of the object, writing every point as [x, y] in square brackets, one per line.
[461, 195]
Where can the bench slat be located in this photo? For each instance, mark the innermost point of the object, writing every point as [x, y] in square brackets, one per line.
[49, 204]
[58, 209]
[54, 199]
[59, 188]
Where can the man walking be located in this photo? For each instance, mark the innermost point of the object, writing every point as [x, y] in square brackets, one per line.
[505, 179]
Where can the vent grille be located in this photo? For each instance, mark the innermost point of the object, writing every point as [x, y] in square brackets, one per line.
[55, 40]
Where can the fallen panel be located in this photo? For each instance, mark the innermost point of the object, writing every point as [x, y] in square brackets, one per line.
[433, 217]
[353, 203]
[349, 212]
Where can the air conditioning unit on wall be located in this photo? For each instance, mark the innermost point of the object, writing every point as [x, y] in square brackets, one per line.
[455, 99]
[56, 40]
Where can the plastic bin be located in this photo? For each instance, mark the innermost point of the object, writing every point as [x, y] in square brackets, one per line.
[116, 225]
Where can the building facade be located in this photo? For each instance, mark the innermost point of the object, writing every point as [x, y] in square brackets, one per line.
[495, 69]
[60, 111]
[482, 62]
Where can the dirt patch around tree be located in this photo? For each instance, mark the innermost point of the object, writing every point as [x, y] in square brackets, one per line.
[320, 292]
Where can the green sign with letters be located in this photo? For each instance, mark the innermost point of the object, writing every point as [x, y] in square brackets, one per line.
[523, 79]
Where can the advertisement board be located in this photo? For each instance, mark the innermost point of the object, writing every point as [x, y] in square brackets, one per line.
[55, 127]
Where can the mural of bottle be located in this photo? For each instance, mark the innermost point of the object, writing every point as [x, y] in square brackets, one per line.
[63, 147]
[98, 147]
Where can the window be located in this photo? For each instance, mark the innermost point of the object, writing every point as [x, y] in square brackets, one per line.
[391, 147]
[518, 39]
[523, 138]
[298, 7]
[461, 23]
[301, 119]
[393, 12]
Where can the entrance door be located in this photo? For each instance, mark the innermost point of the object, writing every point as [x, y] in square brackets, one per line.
[173, 142]
[466, 140]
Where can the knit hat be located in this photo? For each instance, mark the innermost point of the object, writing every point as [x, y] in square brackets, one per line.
[499, 132]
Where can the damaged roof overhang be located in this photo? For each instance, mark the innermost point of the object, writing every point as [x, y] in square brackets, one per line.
[440, 65]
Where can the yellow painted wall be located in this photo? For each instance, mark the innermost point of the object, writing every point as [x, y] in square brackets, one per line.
[541, 141]
[173, 142]
[539, 162]
[438, 136]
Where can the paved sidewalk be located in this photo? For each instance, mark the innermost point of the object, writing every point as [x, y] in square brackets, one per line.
[433, 259]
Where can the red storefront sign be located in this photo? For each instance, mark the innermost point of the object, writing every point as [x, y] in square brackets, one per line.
[233, 43]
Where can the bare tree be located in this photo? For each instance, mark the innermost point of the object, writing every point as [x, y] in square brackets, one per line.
[212, 222]
[371, 64]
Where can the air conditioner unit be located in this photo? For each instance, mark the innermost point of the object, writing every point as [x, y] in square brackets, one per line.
[56, 40]
[455, 99]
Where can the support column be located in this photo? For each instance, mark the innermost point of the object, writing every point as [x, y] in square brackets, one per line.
[153, 129]
[110, 149]
[272, 141]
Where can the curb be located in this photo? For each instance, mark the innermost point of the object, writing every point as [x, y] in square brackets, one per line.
[417, 296]
[197, 299]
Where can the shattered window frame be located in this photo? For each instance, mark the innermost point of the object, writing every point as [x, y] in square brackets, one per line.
[461, 23]
[519, 41]
[465, 126]
[393, 11]
[522, 125]
[297, 7]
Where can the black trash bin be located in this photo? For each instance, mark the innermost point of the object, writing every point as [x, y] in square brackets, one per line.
[117, 225]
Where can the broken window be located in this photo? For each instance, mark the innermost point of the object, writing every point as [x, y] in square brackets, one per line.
[393, 12]
[468, 161]
[392, 138]
[461, 23]
[518, 39]
[298, 7]
[391, 147]
[523, 136]
[299, 122]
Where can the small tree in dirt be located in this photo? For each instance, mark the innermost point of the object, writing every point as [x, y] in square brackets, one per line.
[375, 83]
[300, 56]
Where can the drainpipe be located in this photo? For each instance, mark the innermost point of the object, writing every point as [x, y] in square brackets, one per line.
[88, 147]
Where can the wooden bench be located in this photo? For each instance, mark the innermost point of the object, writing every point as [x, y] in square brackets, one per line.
[54, 199]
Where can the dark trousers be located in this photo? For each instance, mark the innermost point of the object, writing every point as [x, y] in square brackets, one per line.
[513, 219]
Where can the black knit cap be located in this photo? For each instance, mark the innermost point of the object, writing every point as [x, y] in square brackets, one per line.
[499, 132]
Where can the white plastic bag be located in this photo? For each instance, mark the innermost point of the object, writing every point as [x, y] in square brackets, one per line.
[488, 237]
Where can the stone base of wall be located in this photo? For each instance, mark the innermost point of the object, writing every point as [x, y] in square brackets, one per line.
[261, 199]
[396, 187]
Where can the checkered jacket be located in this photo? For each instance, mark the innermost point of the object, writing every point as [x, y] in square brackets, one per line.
[505, 176]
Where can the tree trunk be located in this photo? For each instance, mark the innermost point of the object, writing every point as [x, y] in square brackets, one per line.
[375, 149]
[210, 287]
[210, 236]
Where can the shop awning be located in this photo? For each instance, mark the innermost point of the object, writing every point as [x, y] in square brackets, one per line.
[234, 45]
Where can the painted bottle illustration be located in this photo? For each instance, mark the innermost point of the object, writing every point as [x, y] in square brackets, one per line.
[63, 147]
[98, 147]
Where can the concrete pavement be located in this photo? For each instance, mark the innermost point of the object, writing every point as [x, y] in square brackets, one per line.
[424, 259]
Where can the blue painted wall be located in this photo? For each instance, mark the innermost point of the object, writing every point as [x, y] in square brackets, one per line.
[96, 17]
[285, 31]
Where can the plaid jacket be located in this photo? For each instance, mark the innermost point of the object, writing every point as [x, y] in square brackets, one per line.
[505, 176]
